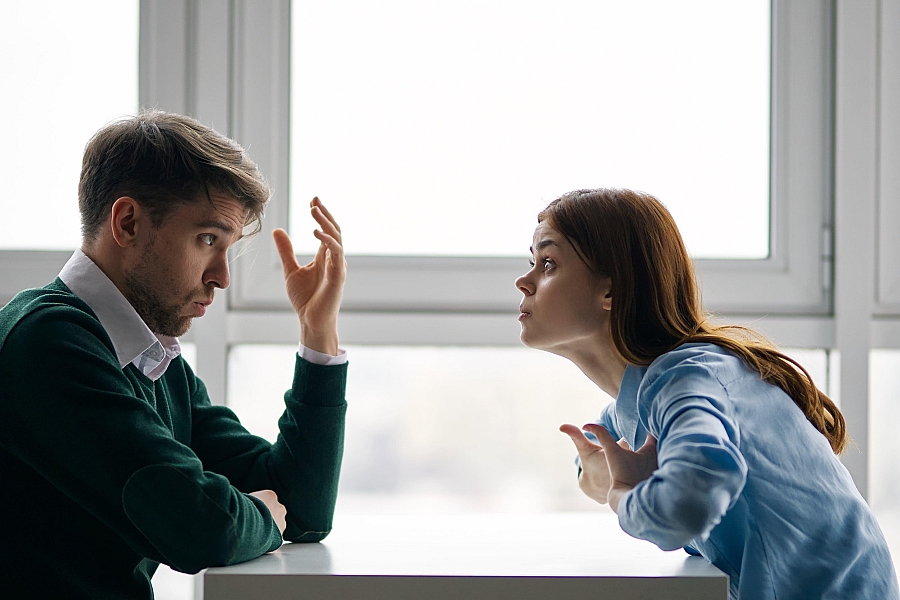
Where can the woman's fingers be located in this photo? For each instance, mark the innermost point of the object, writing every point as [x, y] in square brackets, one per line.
[649, 447]
[607, 442]
[583, 445]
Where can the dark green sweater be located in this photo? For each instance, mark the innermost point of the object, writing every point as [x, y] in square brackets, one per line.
[105, 473]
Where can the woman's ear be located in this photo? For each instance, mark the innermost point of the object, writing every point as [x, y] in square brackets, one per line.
[606, 293]
[124, 219]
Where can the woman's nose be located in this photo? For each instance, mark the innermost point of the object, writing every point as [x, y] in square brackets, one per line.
[524, 285]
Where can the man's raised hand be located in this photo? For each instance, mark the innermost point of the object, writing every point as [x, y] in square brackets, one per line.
[315, 289]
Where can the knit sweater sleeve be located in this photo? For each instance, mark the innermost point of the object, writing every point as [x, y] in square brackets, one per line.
[302, 466]
[70, 412]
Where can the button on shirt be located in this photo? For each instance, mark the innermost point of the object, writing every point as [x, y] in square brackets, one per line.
[132, 339]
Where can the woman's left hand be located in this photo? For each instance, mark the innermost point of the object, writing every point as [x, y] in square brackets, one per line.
[594, 479]
[626, 468]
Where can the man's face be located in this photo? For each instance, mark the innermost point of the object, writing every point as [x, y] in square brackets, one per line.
[182, 262]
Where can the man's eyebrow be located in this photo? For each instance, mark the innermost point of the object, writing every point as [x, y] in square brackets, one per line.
[224, 227]
[216, 225]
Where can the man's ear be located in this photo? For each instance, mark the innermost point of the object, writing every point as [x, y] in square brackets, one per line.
[126, 220]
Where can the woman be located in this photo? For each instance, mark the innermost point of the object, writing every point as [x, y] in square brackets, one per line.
[726, 447]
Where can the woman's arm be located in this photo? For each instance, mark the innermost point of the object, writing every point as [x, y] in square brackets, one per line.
[700, 476]
[701, 471]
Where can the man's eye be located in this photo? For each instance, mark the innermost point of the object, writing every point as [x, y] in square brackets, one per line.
[547, 263]
[208, 239]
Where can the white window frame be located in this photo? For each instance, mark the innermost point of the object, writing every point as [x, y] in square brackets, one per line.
[795, 279]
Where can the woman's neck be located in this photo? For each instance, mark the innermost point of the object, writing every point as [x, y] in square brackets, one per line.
[603, 365]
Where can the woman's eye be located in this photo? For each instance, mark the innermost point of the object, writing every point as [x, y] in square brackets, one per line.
[546, 263]
[208, 238]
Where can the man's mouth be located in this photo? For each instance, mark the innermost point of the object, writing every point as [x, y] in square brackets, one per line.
[200, 307]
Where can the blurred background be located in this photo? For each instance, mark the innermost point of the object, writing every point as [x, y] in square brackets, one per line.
[435, 133]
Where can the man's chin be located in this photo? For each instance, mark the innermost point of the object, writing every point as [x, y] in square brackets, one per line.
[183, 327]
[176, 330]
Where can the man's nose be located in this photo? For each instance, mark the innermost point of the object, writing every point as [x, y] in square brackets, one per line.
[217, 274]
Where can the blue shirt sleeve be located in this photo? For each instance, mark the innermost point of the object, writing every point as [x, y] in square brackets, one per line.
[608, 420]
[701, 471]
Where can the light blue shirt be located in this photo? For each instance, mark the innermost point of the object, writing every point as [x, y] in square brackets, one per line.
[747, 480]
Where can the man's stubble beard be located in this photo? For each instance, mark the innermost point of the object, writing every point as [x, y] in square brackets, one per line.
[144, 295]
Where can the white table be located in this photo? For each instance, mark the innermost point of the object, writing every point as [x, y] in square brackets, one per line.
[494, 556]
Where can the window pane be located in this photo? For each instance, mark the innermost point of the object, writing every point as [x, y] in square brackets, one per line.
[67, 68]
[446, 429]
[440, 429]
[884, 414]
[443, 128]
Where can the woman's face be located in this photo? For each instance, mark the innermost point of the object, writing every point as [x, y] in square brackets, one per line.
[565, 308]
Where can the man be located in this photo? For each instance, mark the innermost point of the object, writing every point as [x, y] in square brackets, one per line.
[112, 457]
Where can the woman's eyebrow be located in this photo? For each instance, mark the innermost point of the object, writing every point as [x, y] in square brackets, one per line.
[543, 244]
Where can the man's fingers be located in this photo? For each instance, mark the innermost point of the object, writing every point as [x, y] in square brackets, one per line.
[318, 260]
[317, 202]
[285, 251]
[336, 264]
[324, 218]
[583, 445]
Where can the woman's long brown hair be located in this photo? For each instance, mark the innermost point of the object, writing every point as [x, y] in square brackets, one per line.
[631, 238]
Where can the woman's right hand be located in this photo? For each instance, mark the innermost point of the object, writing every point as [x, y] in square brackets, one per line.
[594, 480]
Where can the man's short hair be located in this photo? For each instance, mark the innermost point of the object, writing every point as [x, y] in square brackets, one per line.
[163, 161]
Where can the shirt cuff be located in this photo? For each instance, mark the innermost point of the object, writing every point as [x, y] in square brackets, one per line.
[320, 358]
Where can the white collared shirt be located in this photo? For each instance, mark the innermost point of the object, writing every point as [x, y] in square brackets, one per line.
[132, 339]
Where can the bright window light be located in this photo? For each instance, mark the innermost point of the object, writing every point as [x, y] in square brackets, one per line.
[446, 429]
[443, 128]
[67, 69]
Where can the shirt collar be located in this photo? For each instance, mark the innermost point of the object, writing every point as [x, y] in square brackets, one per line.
[132, 339]
[627, 406]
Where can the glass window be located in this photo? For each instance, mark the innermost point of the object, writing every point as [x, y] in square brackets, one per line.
[884, 414]
[442, 129]
[67, 69]
[446, 429]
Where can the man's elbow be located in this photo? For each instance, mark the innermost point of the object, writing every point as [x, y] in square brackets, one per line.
[216, 550]
[305, 537]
